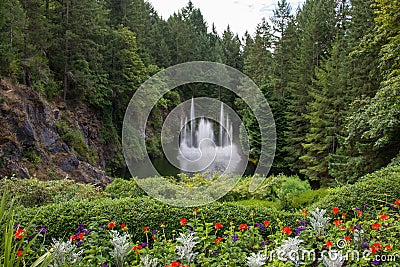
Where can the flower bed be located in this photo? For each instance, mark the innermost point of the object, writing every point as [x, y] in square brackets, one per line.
[329, 238]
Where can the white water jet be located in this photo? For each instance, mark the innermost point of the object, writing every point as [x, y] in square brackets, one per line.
[199, 152]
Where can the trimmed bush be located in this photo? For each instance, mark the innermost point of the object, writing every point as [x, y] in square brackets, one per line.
[62, 219]
[120, 188]
[375, 189]
[33, 193]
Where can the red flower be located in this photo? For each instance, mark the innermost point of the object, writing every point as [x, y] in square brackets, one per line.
[183, 221]
[373, 249]
[266, 223]
[337, 222]
[397, 202]
[335, 210]
[153, 237]
[19, 234]
[375, 226]
[123, 226]
[388, 247]
[80, 236]
[378, 246]
[111, 225]
[218, 226]
[174, 264]
[347, 238]
[305, 212]
[219, 239]
[138, 247]
[287, 230]
[384, 217]
[72, 238]
[243, 227]
[359, 213]
[328, 244]
[145, 229]
[19, 253]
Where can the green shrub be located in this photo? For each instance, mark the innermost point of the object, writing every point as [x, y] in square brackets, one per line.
[32, 192]
[375, 189]
[258, 203]
[120, 188]
[306, 198]
[61, 219]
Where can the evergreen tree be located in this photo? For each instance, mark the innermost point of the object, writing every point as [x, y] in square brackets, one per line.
[325, 112]
[316, 27]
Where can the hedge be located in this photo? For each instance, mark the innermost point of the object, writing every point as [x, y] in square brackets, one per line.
[33, 193]
[62, 219]
[373, 190]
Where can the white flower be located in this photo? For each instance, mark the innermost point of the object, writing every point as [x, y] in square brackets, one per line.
[121, 247]
[318, 221]
[186, 250]
[289, 250]
[256, 260]
[334, 259]
[149, 262]
[65, 253]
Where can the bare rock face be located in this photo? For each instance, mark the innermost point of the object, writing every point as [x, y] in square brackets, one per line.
[41, 140]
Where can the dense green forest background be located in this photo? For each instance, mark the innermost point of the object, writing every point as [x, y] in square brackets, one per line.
[329, 70]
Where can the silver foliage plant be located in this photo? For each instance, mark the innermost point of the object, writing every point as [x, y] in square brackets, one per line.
[289, 250]
[256, 260]
[149, 262]
[318, 221]
[334, 259]
[65, 253]
[121, 247]
[185, 251]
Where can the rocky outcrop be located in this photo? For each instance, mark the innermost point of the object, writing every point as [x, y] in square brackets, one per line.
[39, 139]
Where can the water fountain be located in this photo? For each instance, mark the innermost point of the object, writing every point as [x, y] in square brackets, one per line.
[200, 152]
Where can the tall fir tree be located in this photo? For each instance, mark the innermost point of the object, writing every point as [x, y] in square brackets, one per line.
[315, 23]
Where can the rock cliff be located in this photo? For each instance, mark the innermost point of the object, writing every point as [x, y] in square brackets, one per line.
[48, 141]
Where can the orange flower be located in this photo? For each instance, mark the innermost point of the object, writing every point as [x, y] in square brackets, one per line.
[328, 244]
[305, 212]
[145, 228]
[174, 264]
[111, 225]
[218, 226]
[19, 234]
[397, 202]
[80, 236]
[183, 221]
[219, 239]
[378, 246]
[384, 217]
[359, 213]
[19, 253]
[347, 238]
[337, 222]
[138, 247]
[266, 223]
[375, 226]
[388, 247]
[243, 227]
[344, 216]
[335, 210]
[287, 230]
